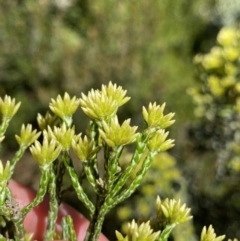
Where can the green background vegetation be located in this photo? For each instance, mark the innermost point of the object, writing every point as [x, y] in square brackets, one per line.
[147, 46]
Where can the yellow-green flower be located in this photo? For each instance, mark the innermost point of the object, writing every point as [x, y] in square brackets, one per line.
[209, 235]
[64, 107]
[214, 59]
[5, 174]
[47, 152]
[138, 233]
[102, 105]
[159, 143]
[233, 239]
[8, 108]
[116, 92]
[227, 36]
[171, 211]
[215, 86]
[64, 135]
[154, 116]
[27, 135]
[47, 120]
[83, 148]
[115, 135]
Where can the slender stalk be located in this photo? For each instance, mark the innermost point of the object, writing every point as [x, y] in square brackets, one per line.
[72, 233]
[89, 172]
[4, 125]
[65, 230]
[112, 165]
[53, 210]
[94, 136]
[60, 170]
[40, 193]
[78, 188]
[113, 201]
[18, 155]
[68, 232]
[166, 232]
[95, 226]
[141, 147]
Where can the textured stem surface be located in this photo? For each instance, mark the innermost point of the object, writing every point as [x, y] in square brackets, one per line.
[53, 207]
[79, 190]
[18, 155]
[113, 201]
[40, 193]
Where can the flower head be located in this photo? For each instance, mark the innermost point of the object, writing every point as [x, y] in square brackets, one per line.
[47, 152]
[159, 143]
[63, 135]
[64, 107]
[171, 211]
[137, 232]
[27, 135]
[83, 148]
[102, 105]
[227, 36]
[209, 235]
[154, 116]
[117, 93]
[47, 120]
[8, 108]
[115, 135]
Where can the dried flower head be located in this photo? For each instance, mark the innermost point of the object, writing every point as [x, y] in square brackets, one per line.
[154, 116]
[172, 211]
[115, 135]
[102, 105]
[27, 136]
[64, 107]
[8, 108]
[209, 235]
[138, 233]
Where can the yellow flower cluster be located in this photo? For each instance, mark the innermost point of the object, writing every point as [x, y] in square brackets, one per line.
[135, 232]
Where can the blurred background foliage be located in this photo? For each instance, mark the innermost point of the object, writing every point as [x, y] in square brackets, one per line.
[52, 46]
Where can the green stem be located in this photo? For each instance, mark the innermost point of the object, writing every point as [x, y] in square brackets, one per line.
[95, 226]
[112, 165]
[88, 170]
[72, 233]
[40, 193]
[113, 201]
[4, 125]
[78, 188]
[53, 210]
[166, 232]
[65, 230]
[94, 136]
[141, 147]
[18, 155]
[59, 169]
